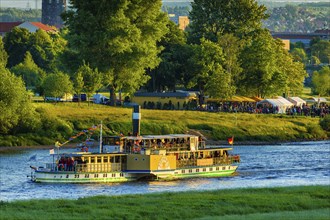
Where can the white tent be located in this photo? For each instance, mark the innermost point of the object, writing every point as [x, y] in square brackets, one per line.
[279, 102]
[297, 101]
[99, 99]
[317, 100]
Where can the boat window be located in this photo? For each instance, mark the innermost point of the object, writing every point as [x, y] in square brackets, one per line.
[117, 159]
[92, 159]
[183, 171]
[217, 168]
[86, 175]
[105, 159]
[105, 175]
[96, 175]
[190, 171]
[99, 159]
[223, 168]
[121, 174]
[204, 169]
[113, 175]
[211, 169]
[67, 176]
[76, 176]
[112, 159]
[197, 170]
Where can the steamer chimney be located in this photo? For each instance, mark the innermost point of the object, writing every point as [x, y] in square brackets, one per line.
[136, 120]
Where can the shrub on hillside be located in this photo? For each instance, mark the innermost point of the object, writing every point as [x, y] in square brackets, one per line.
[325, 123]
[316, 131]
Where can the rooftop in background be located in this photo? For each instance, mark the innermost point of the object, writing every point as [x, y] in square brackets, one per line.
[8, 26]
[164, 94]
[31, 26]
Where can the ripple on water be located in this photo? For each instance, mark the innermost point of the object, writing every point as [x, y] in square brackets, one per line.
[291, 164]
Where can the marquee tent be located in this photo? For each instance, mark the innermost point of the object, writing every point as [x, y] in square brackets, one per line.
[317, 100]
[280, 102]
[297, 101]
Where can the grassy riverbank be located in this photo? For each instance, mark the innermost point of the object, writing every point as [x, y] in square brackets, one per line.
[304, 202]
[60, 121]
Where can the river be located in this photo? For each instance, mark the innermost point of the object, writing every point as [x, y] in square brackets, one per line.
[291, 164]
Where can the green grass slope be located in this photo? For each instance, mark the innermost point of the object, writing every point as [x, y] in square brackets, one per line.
[304, 202]
[62, 120]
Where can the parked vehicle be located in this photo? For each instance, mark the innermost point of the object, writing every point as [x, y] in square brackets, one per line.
[83, 97]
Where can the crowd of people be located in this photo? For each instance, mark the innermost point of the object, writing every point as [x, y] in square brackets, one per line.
[66, 164]
[312, 110]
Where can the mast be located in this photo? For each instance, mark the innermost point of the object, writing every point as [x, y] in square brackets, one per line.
[100, 137]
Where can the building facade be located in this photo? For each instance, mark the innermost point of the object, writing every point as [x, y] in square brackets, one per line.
[51, 12]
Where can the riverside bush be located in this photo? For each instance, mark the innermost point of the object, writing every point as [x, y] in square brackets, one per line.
[316, 131]
[325, 123]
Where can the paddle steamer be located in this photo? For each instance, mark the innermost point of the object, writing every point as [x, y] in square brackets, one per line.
[130, 158]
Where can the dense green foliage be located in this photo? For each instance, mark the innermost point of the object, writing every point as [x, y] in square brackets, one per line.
[60, 121]
[119, 39]
[17, 113]
[321, 81]
[3, 54]
[212, 18]
[169, 73]
[31, 74]
[43, 47]
[309, 202]
[91, 80]
[254, 63]
[57, 85]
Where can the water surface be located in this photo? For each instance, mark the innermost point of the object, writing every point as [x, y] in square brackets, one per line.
[292, 164]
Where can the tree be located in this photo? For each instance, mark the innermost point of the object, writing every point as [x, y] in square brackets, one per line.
[213, 18]
[268, 69]
[259, 66]
[57, 85]
[16, 44]
[3, 54]
[119, 38]
[78, 85]
[299, 55]
[321, 50]
[42, 50]
[315, 60]
[321, 82]
[291, 70]
[92, 79]
[29, 71]
[17, 113]
[231, 47]
[167, 74]
[208, 73]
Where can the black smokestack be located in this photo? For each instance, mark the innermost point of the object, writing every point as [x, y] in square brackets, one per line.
[136, 120]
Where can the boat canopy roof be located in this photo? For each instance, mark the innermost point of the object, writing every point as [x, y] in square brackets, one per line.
[153, 137]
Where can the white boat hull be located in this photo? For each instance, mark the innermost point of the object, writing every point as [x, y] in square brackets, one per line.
[44, 176]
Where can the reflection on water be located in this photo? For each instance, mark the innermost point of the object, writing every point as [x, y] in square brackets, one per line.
[306, 163]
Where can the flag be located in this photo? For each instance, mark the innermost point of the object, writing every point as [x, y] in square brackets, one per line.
[51, 151]
[58, 144]
[231, 140]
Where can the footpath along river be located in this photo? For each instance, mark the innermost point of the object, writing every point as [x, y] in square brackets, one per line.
[291, 164]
